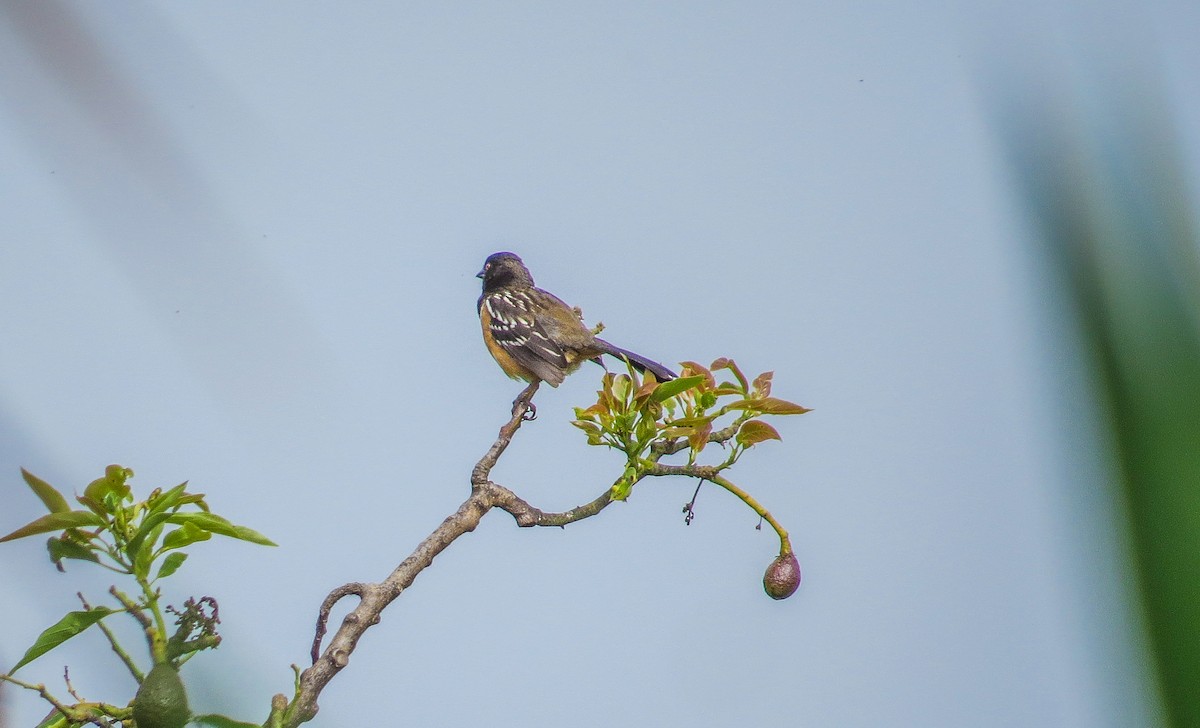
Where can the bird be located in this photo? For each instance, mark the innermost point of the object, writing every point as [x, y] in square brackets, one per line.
[533, 335]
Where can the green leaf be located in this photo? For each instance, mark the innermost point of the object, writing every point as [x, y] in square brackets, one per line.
[65, 548]
[755, 431]
[50, 497]
[666, 390]
[113, 482]
[594, 433]
[249, 534]
[94, 506]
[55, 522]
[769, 406]
[168, 499]
[171, 564]
[620, 388]
[151, 522]
[646, 429]
[63, 630]
[55, 720]
[144, 554]
[591, 414]
[197, 498]
[220, 721]
[185, 535]
[218, 525]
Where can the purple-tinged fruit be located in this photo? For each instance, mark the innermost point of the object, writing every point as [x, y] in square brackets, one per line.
[783, 576]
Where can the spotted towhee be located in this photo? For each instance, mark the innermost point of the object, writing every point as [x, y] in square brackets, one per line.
[533, 335]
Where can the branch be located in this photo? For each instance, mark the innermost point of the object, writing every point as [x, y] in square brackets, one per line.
[485, 495]
[374, 598]
[527, 516]
[83, 712]
[674, 445]
[521, 405]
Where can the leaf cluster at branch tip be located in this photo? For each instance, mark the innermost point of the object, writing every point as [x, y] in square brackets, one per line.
[646, 419]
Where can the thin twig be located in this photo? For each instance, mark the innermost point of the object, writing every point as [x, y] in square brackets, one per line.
[116, 646]
[70, 687]
[690, 507]
[75, 713]
[323, 615]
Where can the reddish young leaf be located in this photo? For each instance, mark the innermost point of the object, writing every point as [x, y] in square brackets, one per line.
[755, 431]
[770, 406]
[776, 406]
[647, 388]
[691, 367]
[673, 432]
[762, 384]
[724, 363]
[699, 438]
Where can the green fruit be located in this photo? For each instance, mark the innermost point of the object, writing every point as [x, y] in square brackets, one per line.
[161, 701]
[783, 576]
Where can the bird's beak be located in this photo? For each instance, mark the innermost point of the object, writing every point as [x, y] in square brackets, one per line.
[481, 272]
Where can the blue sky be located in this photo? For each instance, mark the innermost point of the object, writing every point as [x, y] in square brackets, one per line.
[241, 241]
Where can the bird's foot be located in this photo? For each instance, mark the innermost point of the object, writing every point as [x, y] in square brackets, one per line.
[524, 401]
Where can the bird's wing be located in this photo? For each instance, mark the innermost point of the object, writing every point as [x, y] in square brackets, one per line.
[517, 328]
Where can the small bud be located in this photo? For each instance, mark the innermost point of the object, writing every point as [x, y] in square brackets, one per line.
[783, 576]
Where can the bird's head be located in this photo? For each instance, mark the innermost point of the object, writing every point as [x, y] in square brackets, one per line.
[502, 270]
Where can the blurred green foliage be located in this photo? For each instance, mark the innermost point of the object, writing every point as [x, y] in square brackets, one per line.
[1118, 233]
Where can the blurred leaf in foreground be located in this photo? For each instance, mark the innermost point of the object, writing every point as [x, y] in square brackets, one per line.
[1105, 187]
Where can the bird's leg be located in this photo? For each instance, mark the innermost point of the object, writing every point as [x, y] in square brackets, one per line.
[525, 400]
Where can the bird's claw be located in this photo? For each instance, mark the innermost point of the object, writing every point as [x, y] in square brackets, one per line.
[530, 412]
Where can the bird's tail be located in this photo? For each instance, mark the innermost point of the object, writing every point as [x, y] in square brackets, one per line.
[639, 362]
